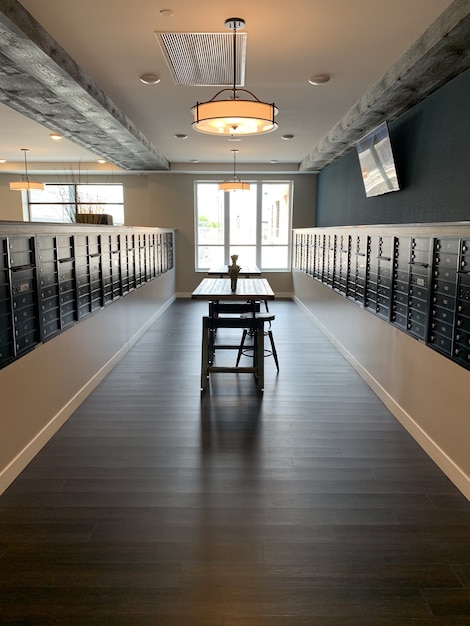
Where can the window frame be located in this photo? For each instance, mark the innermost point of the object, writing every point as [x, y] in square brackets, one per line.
[74, 202]
[259, 224]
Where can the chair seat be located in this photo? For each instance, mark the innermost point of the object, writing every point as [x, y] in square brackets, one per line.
[262, 317]
[265, 317]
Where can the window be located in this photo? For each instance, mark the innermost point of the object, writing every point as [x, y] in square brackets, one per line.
[61, 202]
[254, 224]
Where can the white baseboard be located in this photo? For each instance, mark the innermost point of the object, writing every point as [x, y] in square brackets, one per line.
[444, 462]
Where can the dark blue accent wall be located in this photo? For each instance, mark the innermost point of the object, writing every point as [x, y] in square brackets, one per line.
[431, 144]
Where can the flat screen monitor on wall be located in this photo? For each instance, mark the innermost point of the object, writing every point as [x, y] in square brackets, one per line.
[377, 163]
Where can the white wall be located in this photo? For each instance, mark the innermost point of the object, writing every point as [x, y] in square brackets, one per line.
[10, 201]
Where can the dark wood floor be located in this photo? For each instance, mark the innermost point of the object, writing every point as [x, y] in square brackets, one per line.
[309, 506]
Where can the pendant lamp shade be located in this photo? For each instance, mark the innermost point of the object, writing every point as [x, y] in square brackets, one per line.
[234, 117]
[26, 185]
[234, 185]
[239, 112]
[25, 182]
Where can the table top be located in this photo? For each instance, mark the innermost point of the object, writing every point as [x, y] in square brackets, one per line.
[247, 289]
[246, 270]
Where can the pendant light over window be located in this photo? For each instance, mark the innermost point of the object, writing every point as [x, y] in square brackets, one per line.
[25, 182]
[235, 115]
[234, 183]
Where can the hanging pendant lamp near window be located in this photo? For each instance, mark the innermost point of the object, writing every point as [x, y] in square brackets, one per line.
[234, 183]
[235, 115]
[25, 182]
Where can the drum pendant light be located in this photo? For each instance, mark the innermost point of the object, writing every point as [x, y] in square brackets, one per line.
[25, 183]
[240, 114]
[234, 183]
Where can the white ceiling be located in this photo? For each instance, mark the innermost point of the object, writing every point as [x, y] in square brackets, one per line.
[113, 41]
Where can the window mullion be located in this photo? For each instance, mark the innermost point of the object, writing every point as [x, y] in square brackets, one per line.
[226, 228]
[259, 223]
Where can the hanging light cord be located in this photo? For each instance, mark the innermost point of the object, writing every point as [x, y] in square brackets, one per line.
[234, 60]
[235, 177]
[25, 150]
[234, 89]
[23, 183]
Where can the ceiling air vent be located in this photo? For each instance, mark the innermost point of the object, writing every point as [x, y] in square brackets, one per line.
[204, 59]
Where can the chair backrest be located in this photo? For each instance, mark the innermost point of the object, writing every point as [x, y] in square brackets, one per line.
[221, 308]
[232, 322]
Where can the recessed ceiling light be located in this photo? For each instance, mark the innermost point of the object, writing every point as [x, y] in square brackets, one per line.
[149, 79]
[3, 160]
[273, 161]
[319, 79]
[166, 13]
[194, 160]
[287, 137]
[181, 136]
[55, 136]
[101, 160]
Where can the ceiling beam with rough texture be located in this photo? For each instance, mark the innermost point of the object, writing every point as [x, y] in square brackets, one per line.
[440, 54]
[41, 81]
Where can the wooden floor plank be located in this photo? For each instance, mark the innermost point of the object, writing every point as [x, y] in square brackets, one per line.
[309, 505]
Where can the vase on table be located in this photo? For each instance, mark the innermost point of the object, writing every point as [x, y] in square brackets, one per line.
[233, 271]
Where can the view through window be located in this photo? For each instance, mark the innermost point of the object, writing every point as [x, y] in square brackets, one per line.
[62, 202]
[254, 224]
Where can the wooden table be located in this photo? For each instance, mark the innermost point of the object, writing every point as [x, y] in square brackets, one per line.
[246, 271]
[248, 289]
[247, 296]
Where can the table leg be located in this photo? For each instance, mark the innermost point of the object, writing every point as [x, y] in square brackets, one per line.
[205, 354]
[259, 352]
